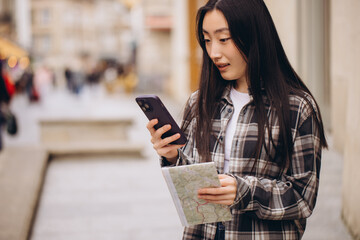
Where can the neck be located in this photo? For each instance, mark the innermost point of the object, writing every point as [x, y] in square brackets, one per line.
[241, 86]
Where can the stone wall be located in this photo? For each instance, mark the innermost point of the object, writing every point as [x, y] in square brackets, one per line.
[345, 72]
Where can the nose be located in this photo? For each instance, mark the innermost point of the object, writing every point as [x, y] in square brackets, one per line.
[214, 51]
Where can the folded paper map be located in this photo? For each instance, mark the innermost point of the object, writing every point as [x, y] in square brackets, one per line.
[184, 183]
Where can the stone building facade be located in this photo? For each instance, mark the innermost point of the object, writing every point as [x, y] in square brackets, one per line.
[7, 21]
[154, 45]
[345, 110]
[76, 33]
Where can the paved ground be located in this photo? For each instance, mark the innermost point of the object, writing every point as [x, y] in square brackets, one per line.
[108, 198]
[326, 223]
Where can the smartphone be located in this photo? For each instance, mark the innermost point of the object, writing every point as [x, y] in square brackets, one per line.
[153, 108]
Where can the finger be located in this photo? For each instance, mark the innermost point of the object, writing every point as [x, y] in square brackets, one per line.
[165, 145]
[213, 191]
[166, 150]
[151, 124]
[223, 176]
[226, 199]
[158, 133]
[222, 202]
[169, 140]
[228, 183]
[226, 180]
[224, 189]
[217, 197]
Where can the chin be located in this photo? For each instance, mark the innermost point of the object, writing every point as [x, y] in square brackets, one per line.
[228, 78]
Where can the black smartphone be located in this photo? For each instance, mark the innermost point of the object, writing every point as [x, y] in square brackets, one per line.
[153, 108]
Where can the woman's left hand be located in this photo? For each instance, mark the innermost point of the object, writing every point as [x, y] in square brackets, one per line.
[223, 195]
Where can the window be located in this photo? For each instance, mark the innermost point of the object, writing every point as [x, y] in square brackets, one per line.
[45, 17]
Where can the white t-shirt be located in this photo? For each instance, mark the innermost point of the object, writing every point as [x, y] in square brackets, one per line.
[239, 100]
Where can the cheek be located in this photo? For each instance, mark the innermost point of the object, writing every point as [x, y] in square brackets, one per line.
[241, 67]
[234, 54]
[241, 63]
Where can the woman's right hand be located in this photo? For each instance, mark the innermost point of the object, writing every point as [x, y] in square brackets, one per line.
[163, 146]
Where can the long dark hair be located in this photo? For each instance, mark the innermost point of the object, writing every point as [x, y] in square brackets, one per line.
[269, 72]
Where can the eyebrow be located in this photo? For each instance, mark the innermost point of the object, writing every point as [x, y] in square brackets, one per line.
[217, 30]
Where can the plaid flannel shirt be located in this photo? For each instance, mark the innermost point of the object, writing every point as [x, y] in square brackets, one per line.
[271, 203]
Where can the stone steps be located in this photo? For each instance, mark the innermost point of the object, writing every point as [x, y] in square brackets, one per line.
[71, 136]
[116, 148]
[22, 171]
[65, 130]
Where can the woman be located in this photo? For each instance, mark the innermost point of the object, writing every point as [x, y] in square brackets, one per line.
[255, 118]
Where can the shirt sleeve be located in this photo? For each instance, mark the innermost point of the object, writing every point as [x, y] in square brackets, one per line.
[293, 196]
[185, 155]
[181, 160]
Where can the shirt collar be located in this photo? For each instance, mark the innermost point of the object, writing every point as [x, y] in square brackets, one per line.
[226, 94]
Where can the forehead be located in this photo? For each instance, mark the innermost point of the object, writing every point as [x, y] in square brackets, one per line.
[215, 22]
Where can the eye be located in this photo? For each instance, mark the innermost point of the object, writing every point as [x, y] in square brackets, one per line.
[206, 40]
[223, 40]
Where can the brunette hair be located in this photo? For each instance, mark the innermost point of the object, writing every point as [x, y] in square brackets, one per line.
[269, 72]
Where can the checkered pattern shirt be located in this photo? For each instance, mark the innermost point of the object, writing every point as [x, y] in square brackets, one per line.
[271, 202]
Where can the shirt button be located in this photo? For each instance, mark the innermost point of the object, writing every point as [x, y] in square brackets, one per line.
[229, 110]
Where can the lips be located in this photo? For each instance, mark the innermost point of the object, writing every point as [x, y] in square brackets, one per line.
[222, 66]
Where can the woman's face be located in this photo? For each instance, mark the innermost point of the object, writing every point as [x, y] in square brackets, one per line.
[222, 49]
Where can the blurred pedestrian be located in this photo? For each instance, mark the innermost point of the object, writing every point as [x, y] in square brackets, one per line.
[27, 80]
[4, 102]
[130, 79]
[43, 81]
[255, 118]
[69, 79]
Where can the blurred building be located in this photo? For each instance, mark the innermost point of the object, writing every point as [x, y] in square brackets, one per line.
[154, 44]
[13, 41]
[79, 33]
[345, 99]
[76, 33]
[185, 53]
[7, 21]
